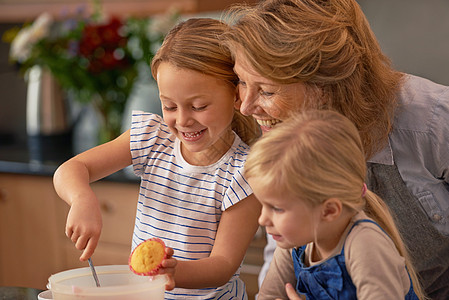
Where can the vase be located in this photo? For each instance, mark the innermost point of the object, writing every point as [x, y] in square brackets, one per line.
[110, 115]
[98, 122]
[48, 124]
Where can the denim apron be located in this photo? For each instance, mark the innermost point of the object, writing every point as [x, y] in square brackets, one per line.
[329, 279]
[428, 248]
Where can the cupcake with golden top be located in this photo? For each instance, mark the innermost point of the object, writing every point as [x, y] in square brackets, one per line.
[146, 259]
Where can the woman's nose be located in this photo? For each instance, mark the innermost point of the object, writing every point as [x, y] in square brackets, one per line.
[248, 102]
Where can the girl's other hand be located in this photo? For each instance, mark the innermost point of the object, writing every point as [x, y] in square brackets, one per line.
[291, 293]
[168, 268]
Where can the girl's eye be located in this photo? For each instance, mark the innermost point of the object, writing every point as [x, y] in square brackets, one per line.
[169, 108]
[200, 108]
[242, 83]
[277, 209]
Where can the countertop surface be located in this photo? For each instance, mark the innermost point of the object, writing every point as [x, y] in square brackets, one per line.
[18, 293]
[16, 158]
[26, 158]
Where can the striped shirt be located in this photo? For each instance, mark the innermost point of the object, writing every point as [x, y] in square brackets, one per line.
[182, 203]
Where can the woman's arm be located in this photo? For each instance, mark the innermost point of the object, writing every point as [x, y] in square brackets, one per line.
[237, 227]
[71, 181]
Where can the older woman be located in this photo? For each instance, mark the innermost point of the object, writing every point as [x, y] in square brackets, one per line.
[292, 55]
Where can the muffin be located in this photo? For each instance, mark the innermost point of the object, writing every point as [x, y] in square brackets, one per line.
[146, 259]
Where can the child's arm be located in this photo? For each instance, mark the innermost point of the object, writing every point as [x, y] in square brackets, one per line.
[237, 227]
[71, 181]
[281, 271]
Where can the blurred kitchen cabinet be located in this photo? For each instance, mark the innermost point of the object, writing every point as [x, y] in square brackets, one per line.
[118, 202]
[252, 264]
[33, 244]
[28, 248]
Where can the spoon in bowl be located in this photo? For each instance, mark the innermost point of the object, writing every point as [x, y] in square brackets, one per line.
[94, 273]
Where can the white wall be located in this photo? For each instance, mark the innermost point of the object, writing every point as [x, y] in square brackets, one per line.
[414, 34]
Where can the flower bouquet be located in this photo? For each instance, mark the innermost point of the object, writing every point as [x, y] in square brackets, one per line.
[93, 57]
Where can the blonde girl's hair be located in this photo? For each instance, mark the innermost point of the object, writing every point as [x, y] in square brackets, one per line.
[194, 45]
[317, 155]
[328, 46]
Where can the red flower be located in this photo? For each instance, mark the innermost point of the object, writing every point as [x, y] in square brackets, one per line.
[98, 44]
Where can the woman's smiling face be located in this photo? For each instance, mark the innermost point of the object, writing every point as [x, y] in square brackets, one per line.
[267, 101]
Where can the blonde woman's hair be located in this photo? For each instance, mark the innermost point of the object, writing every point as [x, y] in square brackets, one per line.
[328, 46]
[194, 45]
[317, 155]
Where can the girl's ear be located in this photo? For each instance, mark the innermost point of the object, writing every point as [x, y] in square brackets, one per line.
[331, 209]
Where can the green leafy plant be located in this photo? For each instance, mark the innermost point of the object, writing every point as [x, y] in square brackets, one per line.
[92, 56]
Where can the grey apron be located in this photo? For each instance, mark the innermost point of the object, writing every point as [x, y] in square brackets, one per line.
[428, 248]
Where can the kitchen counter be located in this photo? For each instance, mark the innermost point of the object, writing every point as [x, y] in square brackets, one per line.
[18, 293]
[17, 158]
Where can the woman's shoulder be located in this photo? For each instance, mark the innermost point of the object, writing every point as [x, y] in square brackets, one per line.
[418, 93]
[421, 103]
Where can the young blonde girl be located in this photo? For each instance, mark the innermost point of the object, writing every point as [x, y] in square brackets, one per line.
[192, 195]
[309, 175]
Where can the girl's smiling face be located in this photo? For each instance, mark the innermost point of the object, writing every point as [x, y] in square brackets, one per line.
[291, 222]
[198, 109]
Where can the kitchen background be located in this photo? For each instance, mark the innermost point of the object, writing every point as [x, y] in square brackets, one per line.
[413, 33]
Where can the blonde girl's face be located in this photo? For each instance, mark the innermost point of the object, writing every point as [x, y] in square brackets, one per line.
[291, 222]
[267, 101]
[198, 109]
